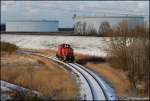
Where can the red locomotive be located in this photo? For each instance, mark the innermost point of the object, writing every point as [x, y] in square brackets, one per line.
[65, 53]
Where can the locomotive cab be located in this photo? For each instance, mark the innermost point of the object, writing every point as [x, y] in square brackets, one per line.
[65, 53]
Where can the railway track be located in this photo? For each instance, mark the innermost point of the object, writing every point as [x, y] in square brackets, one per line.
[95, 90]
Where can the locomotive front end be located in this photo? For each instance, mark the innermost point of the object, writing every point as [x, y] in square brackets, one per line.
[65, 53]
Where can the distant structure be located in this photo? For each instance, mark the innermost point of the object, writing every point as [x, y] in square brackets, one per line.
[2, 27]
[32, 26]
[96, 24]
[66, 29]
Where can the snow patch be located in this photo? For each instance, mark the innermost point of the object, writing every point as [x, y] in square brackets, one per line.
[85, 45]
[7, 90]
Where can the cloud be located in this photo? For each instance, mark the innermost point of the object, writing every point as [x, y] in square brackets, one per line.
[64, 10]
[6, 5]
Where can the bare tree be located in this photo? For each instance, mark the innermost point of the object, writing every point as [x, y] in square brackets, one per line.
[91, 30]
[77, 29]
[104, 28]
[84, 28]
[129, 51]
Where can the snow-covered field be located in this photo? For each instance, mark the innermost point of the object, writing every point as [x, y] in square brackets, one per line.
[85, 45]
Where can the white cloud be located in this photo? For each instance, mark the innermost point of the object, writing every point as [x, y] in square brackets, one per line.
[64, 10]
[6, 5]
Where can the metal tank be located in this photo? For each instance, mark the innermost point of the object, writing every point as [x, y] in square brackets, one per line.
[32, 26]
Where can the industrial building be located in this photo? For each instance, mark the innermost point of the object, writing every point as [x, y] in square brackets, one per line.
[86, 23]
[32, 26]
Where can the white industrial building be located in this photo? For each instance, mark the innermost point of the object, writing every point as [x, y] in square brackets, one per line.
[95, 22]
[32, 26]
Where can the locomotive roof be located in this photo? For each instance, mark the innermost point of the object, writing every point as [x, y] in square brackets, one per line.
[63, 45]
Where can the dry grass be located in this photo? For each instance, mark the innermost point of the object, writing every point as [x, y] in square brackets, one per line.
[8, 47]
[41, 75]
[118, 79]
[130, 53]
[43, 51]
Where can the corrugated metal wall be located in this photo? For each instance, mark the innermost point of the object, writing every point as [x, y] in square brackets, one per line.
[113, 21]
[31, 26]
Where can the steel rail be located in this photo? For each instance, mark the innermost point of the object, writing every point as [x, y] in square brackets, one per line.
[69, 64]
[93, 78]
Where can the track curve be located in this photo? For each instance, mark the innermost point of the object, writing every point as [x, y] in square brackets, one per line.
[97, 92]
[94, 88]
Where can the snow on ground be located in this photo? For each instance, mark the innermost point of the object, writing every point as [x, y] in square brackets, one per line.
[85, 45]
[5, 84]
[6, 93]
[85, 92]
[6, 96]
[7, 90]
[137, 99]
[96, 89]
[110, 93]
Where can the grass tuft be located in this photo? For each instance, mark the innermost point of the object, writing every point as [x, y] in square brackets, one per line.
[8, 47]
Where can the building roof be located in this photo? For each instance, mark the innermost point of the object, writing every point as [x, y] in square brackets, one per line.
[109, 16]
[32, 21]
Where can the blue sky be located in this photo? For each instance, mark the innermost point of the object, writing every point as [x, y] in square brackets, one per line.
[64, 10]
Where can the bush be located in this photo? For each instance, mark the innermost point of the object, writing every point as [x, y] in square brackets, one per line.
[8, 47]
[130, 52]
